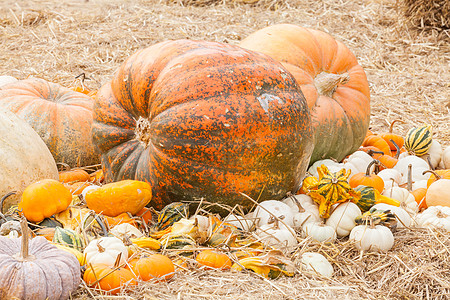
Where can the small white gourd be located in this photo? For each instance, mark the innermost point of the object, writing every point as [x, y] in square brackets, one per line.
[320, 232]
[343, 217]
[434, 217]
[377, 238]
[269, 209]
[315, 263]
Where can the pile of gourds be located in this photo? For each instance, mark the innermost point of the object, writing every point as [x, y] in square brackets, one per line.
[187, 120]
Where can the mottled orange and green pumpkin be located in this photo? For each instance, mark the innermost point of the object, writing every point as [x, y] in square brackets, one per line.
[334, 84]
[204, 119]
[61, 117]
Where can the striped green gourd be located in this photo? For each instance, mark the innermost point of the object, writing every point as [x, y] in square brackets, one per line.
[68, 238]
[418, 139]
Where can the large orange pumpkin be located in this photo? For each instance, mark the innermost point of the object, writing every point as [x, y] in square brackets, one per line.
[203, 119]
[61, 117]
[334, 84]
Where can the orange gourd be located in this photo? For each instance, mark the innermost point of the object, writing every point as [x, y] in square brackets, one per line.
[378, 142]
[419, 196]
[436, 175]
[73, 175]
[213, 259]
[153, 267]
[368, 179]
[111, 279]
[43, 199]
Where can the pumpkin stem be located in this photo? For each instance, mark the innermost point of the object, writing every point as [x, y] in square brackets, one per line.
[117, 262]
[429, 162]
[326, 83]
[24, 227]
[376, 162]
[409, 182]
[142, 131]
[100, 247]
[397, 153]
[391, 126]
[300, 207]
[434, 173]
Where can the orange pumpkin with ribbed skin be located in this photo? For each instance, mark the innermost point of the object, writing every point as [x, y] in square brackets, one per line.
[334, 84]
[61, 117]
[203, 119]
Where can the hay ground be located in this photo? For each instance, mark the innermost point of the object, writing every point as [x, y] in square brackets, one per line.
[409, 74]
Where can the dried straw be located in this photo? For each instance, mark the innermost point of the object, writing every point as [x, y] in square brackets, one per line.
[424, 13]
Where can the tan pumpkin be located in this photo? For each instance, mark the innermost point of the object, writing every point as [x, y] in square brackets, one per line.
[24, 158]
[61, 117]
[334, 84]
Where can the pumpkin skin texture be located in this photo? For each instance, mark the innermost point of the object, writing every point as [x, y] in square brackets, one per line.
[24, 158]
[61, 117]
[204, 119]
[340, 111]
[47, 273]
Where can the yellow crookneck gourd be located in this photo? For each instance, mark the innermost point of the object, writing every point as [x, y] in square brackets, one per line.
[331, 188]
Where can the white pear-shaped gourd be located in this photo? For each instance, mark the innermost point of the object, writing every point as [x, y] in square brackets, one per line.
[304, 208]
[343, 217]
[407, 200]
[434, 154]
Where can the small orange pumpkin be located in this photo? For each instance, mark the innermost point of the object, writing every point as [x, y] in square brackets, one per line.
[155, 266]
[111, 279]
[368, 179]
[43, 199]
[378, 142]
[214, 259]
[120, 219]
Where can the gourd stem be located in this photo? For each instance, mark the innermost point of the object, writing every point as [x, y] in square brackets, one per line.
[142, 131]
[117, 262]
[391, 126]
[409, 182]
[397, 153]
[326, 83]
[100, 248]
[429, 162]
[434, 173]
[376, 162]
[24, 227]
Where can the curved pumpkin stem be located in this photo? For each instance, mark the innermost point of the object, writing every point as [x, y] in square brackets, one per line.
[434, 173]
[397, 151]
[326, 83]
[377, 163]
[391, 126]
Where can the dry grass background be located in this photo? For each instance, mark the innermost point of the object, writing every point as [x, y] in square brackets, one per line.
[409, 74]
